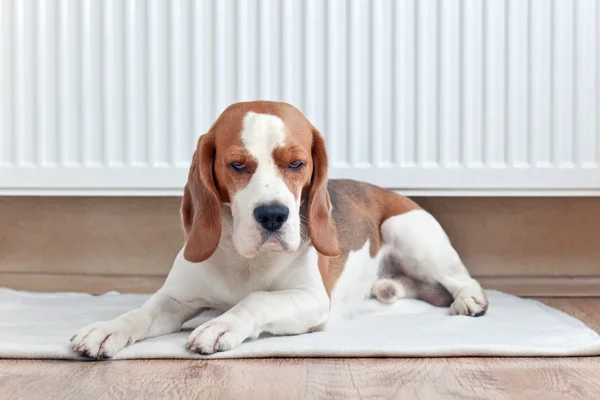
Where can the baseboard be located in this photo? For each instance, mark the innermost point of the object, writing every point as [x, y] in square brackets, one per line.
[541, 286]
[89, 283]
[528, 246]
[98, 284]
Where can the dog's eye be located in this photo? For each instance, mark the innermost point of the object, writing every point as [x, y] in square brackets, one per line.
[238, 166]
[296, 165]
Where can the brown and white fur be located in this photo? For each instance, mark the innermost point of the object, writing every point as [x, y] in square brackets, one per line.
[342, 243]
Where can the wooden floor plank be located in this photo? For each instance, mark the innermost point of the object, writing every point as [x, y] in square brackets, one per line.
[423, 378]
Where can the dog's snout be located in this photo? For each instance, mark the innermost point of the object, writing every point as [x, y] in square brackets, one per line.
[271, 217]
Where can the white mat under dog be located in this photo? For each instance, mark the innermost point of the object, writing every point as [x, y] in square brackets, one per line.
[39, 325]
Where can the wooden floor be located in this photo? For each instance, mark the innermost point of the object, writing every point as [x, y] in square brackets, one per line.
[441, 378]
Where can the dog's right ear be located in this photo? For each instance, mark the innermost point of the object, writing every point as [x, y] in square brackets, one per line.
[201, 207]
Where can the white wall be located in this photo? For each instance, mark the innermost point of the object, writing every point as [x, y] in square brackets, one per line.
[427, 96]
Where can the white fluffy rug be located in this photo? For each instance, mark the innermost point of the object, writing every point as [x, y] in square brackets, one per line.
[39, 325]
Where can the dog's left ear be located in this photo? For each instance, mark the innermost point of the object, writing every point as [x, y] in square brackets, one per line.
[321, 227]
[201, 206]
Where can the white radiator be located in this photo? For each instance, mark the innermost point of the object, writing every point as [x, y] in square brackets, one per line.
[431, 96]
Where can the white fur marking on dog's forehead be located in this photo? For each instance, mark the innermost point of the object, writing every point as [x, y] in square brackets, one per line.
[262, 133]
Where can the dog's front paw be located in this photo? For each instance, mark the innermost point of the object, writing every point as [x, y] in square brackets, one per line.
[217, 335]
[101, 340]
[470, 301]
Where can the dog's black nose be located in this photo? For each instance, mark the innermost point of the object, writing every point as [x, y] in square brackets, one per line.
[271, 217]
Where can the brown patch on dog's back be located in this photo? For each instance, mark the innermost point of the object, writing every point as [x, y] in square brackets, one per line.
[358, 211]
[353, 213]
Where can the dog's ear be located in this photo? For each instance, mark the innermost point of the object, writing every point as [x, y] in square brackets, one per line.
[201, 207]
[321, 227]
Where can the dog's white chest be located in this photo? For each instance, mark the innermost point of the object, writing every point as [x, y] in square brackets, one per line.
[234, 278]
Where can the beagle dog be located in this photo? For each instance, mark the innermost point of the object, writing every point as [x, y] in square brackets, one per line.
[276, 247]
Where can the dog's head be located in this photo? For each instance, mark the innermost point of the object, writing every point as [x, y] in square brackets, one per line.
[263, 159]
